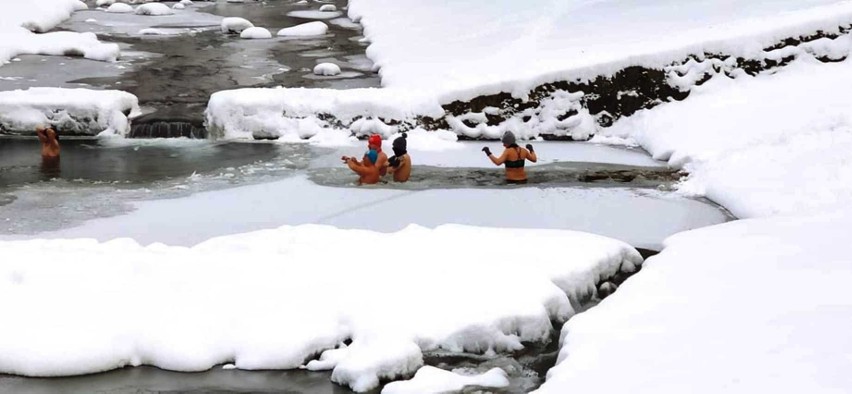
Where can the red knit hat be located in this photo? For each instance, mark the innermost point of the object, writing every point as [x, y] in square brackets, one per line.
[376, 140]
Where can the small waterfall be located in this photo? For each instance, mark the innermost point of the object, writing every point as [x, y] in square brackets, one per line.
[171, 121]
[168, 129]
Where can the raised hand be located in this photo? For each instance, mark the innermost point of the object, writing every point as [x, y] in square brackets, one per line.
[487, 151]
[530, 148]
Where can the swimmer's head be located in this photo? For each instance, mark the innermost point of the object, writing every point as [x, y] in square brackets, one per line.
[508, 139]
[375, 142]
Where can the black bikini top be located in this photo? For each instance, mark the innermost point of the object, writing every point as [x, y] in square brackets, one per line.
[516, 163]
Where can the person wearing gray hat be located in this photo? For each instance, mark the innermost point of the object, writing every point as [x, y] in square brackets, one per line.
[514, 157]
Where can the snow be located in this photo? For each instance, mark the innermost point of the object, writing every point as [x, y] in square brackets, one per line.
[120, 8]
[79, 111]
[327, 69]
[235, 25]
[178, 6]
[315, 28]
[428, 56]
[154, 9]
[328, 8]
[18, 18]
[785, 155]
[748, 306]
[755, 305]
[255, 33]
[102, 3]
[435, 380]
[107, 315]
[314, 14]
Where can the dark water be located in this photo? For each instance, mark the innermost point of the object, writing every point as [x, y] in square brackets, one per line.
[136, 163]
[154, 380]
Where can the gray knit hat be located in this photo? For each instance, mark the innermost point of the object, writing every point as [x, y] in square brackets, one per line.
[508, 138]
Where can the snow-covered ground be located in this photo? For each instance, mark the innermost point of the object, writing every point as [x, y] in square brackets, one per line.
[431, 56]
[756, 305]
[275, 298]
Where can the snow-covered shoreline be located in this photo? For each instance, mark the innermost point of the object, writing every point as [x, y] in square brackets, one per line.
[226, 288]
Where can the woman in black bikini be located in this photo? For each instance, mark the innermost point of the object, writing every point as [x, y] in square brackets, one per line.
[514, 158]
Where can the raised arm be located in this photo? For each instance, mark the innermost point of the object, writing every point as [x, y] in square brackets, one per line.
[498, 161]
[42, 135]
[531, 156]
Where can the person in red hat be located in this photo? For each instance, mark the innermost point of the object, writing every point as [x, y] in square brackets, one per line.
[368, 172]
[375, 143]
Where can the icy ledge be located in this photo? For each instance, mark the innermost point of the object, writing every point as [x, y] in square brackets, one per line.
[71, 111]
[276, 299]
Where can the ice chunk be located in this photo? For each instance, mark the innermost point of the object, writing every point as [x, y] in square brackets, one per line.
[154, 9]
[327, 69]
[235, 25]
[315, 28]
[255, 33]
[429, 380]
[314, 14]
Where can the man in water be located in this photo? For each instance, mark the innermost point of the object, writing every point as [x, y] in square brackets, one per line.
[375, 143]
[514, 157]
[367, 170]
[400, 162]
[49, 149]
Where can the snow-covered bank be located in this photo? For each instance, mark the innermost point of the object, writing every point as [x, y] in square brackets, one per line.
[23, 23]
[755, 305]
[556, 70]
[275, 298]
[760, 305]
[70, 111]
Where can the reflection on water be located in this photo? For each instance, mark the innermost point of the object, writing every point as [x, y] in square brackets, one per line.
[50, 168]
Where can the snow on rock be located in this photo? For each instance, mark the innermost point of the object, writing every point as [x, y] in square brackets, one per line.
[120, 8]
[315, 28]
[255, 33]
[20, 19]
[101, 313]
[328, 8]
[71, 111]
[79, 5]
[178, 6]
[154, 9]
[186, 2]
[429, 380]
[103, 3]
[326, 69]
[715, 312]
[234, 25]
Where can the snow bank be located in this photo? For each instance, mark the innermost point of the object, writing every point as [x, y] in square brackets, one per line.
[82, 306]
[234, 25]
[255, 33]
[20, 19]
[429, 57]
[103, 3]
[316, 28]
[757, 305]
[760, 146]
[435, 380]
[154, 9]
[71, 111]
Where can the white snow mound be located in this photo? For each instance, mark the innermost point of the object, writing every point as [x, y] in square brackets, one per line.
[154, 9]
[120, 8]
[431, 380]
[327, 69]
[234, 25]
[255, 33]
[315, 28]
[328, 8]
